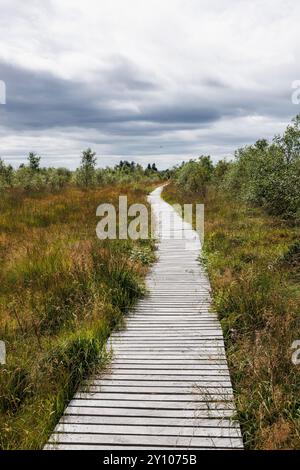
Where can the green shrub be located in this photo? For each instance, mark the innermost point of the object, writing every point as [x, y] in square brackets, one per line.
[268, 175]
[194, 176]
[6, 175]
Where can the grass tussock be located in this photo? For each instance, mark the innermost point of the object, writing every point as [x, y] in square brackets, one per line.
[254, 267]
[62, 291]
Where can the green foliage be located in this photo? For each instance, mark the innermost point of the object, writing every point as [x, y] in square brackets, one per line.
[264, 174]
[151, 169]
[195, 175]
[268, 175]
[34, 161]
[14, 388]
[33, 177]
[6, 175]
[127, 172]
[143, 254]
[289, 142]
[220, 171]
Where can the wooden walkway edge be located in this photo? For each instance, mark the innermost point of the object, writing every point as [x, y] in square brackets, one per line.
[168, 384]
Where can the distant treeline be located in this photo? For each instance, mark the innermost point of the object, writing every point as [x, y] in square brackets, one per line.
[32, 176]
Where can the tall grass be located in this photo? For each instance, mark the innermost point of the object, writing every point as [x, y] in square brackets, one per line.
[254, 267]
[62, 291]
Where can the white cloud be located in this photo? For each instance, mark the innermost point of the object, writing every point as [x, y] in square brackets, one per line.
[236, 58]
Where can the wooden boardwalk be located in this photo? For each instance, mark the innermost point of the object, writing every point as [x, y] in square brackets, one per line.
[168, 384]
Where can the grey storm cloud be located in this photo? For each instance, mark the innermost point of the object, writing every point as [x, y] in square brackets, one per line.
[40, 100]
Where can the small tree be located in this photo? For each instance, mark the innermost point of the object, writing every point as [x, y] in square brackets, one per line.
[86, 172]
[289, 142]
[34, 161]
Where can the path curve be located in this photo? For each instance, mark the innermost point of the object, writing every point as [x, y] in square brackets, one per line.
[168, 385]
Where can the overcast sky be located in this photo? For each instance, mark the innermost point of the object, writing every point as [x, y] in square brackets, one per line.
[145, 80]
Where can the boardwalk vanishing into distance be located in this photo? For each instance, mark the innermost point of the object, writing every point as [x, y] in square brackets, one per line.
[168, 384]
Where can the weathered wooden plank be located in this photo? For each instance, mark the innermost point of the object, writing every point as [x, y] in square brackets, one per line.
[160, 374]
[160, 356]
[217, 368]
[190, 441]
[205, 343]
[207, 393]
[146, 335]
[209, 385]
[148, 412]
[162, 347]
[157, 421]
[153, 404]
[90, 447]
[176, 322]
[154, 322]
[149, 430]
[168, 376]
[169, 363]
[194, 396]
